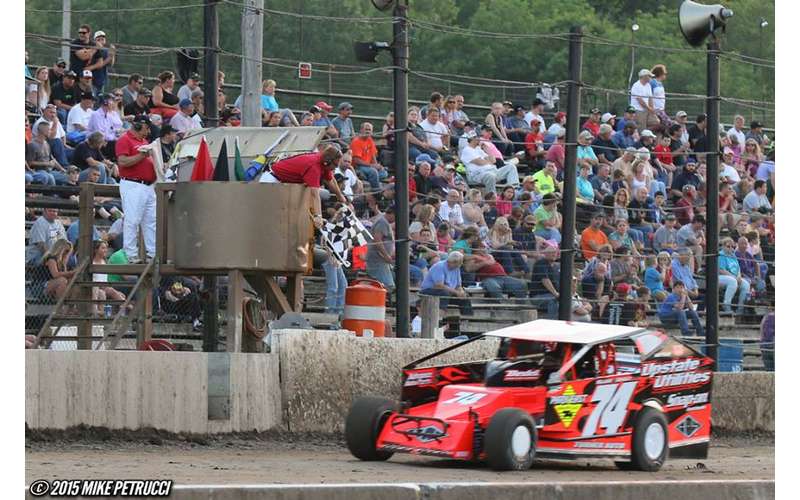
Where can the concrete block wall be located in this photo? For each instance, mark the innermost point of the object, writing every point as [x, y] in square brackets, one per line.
[743, 402]
[134, 390]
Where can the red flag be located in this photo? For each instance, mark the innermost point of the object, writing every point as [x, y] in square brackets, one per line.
[203, 168]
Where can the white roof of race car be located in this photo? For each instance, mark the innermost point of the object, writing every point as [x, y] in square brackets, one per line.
[548, 330]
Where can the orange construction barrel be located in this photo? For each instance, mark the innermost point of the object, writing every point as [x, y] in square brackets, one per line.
[365, 308]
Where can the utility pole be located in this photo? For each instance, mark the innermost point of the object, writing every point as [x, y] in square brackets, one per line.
[210, 67]
[570, 176]
[712, 194]
[66, 28]
[252, 47]
[400, 56]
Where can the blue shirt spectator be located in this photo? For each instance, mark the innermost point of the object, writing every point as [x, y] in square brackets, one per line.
[652, 280]
[668, 305]
[441, 273]
[74, 232]
[729, 263]
[682, 272]
[623, 141]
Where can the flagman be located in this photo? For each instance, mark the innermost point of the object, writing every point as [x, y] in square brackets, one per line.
[137, 176]
[311, 169]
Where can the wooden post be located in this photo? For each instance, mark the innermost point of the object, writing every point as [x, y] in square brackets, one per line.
[252, 47]
[429, 312]
[86, 224]
[235, 317]
[294, 291]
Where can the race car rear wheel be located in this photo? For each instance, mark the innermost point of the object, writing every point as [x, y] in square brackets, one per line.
[363, 425]
[510, 440]
[650, 444]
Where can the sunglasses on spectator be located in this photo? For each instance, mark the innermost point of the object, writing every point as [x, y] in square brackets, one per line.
[83, 32]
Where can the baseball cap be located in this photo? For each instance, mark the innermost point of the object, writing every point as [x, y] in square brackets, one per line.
[146, 92]
[99, 33]
[537, 102]
[680, 114]
[142, 119]
[648, 133]
[645, 72]
[585, 135]
[194, 76]
[630, 149]
[508, 103]
[548, 198]
[529, 219]
[598, 215]
[630, 109]
[607, 117]
[756, 124]
[450, 166]
[470, 135]
[560, 115]
[529, 178]
[424, 157]
[623, 289]
[345, 105]
[61, 62]
[323, 106]
[670, 217]
[70, 74]
[87, 95]
[595, 111]
[185, 103]
[535, 120]
[606, 128]
[519, 107]
[87, 73]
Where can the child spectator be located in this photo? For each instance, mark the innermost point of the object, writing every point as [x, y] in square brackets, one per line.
[663, 152]
[677, 308]
[655, 277]
[505, 203]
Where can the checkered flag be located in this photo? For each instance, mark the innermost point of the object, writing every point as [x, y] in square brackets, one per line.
[343, 234]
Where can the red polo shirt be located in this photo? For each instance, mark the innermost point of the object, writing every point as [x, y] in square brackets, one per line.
[302, 169]
[128, 145]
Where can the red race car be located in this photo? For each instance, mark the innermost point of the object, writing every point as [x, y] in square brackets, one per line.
[557, 389]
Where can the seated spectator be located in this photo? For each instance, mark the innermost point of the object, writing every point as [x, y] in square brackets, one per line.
[556, 153]
[436, 132]
[640, 215]
[38, 157]
[595, 286]
[163, 102]
[751, 271]
[623, 268]
[756, 200]
[418, 138]
[449, 179]
[593, 237]
[45, 231]
[604, 147]
[592, 123]
[626, 137]
[493, 277]
[665, 238]
[622, 239]
[730, 277]
[102, 292]
[54, 268]
[444, 239]
[635, 313]
[655, 278]
[365, 157]
[619, 306]
[585, 152]
[519, 128]
[682, 272]
[140, 105]
[677, 309]
[55, 135]
[499, 136]
[692, 237]
[424, 221]
[107, 120]
[193, 82]
[78, 119]
[545, 281]
[545, 179]
[182, 122]
[585, 191]
[684, 207]
[481, 166]
[65, 95]
[444, 280]
[450, 211]
[548, 220]
[581, 308]
[344, 124]
[89, 154]
[473, 211]
[180, 300]
[131, 91]
[506, 201]
[534, 144]
[505, 250]
[687, 176]
[601, 183]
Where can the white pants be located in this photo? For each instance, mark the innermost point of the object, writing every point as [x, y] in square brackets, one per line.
[269, 178]
[488, 175]
[139, 205]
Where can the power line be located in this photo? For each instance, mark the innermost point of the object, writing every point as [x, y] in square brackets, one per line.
[113, 11]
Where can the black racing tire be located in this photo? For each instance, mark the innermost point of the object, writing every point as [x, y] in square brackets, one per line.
[363, 425]
[625, 466]
[650, 444]
[510, 440]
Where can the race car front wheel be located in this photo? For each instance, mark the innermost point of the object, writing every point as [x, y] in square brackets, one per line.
[364, 424]
[510, 440]
[650, 441]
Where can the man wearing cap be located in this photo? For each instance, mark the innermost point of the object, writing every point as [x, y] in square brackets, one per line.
[601, 183]
[592, 124]
[365, 154]
[324, 120]
[81, 49]
[545, 282]
[642, 98]
[56, 73]
[343, 124]
[56, 136]
[665, 238]
[534, 144]
[609, 118]
[101, 60]
[140, 105]
[593, 237]
[518, 128]
[757, 134]
[137, 176]
[85, 82]
[681, 118]
[687, 175]
[444, 280]
[727, 172]
[185, 92]
[627, 137]
[628, 116]
[78, 119]
[65, 95]
[604, 147]
[107, 122]
[692, 236]
[182, 122]
[537, 107]
[88, 155]
[647, 139]
[481, 166]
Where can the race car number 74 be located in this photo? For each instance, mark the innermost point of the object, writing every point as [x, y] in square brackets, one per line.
[610, 408]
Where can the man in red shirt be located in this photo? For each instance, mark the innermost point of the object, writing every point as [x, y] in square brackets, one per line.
[592, 124]
[365, 154]
[684, 208]
[137, 176]
[311, 169]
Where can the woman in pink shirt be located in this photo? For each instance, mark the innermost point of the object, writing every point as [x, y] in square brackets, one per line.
[505, 203]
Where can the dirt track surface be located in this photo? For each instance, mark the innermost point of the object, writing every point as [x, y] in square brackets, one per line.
[319, 460]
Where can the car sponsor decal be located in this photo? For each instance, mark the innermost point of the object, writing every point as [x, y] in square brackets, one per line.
[599, 446]
[567, 405]
[676, 373]
[419, 378]
[675, 366]
[688, 426]
[680, 379]
[516, 375]
[426, 434]
[675, 400]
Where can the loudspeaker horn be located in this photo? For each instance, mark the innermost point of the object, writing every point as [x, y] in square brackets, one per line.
[698, 21]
